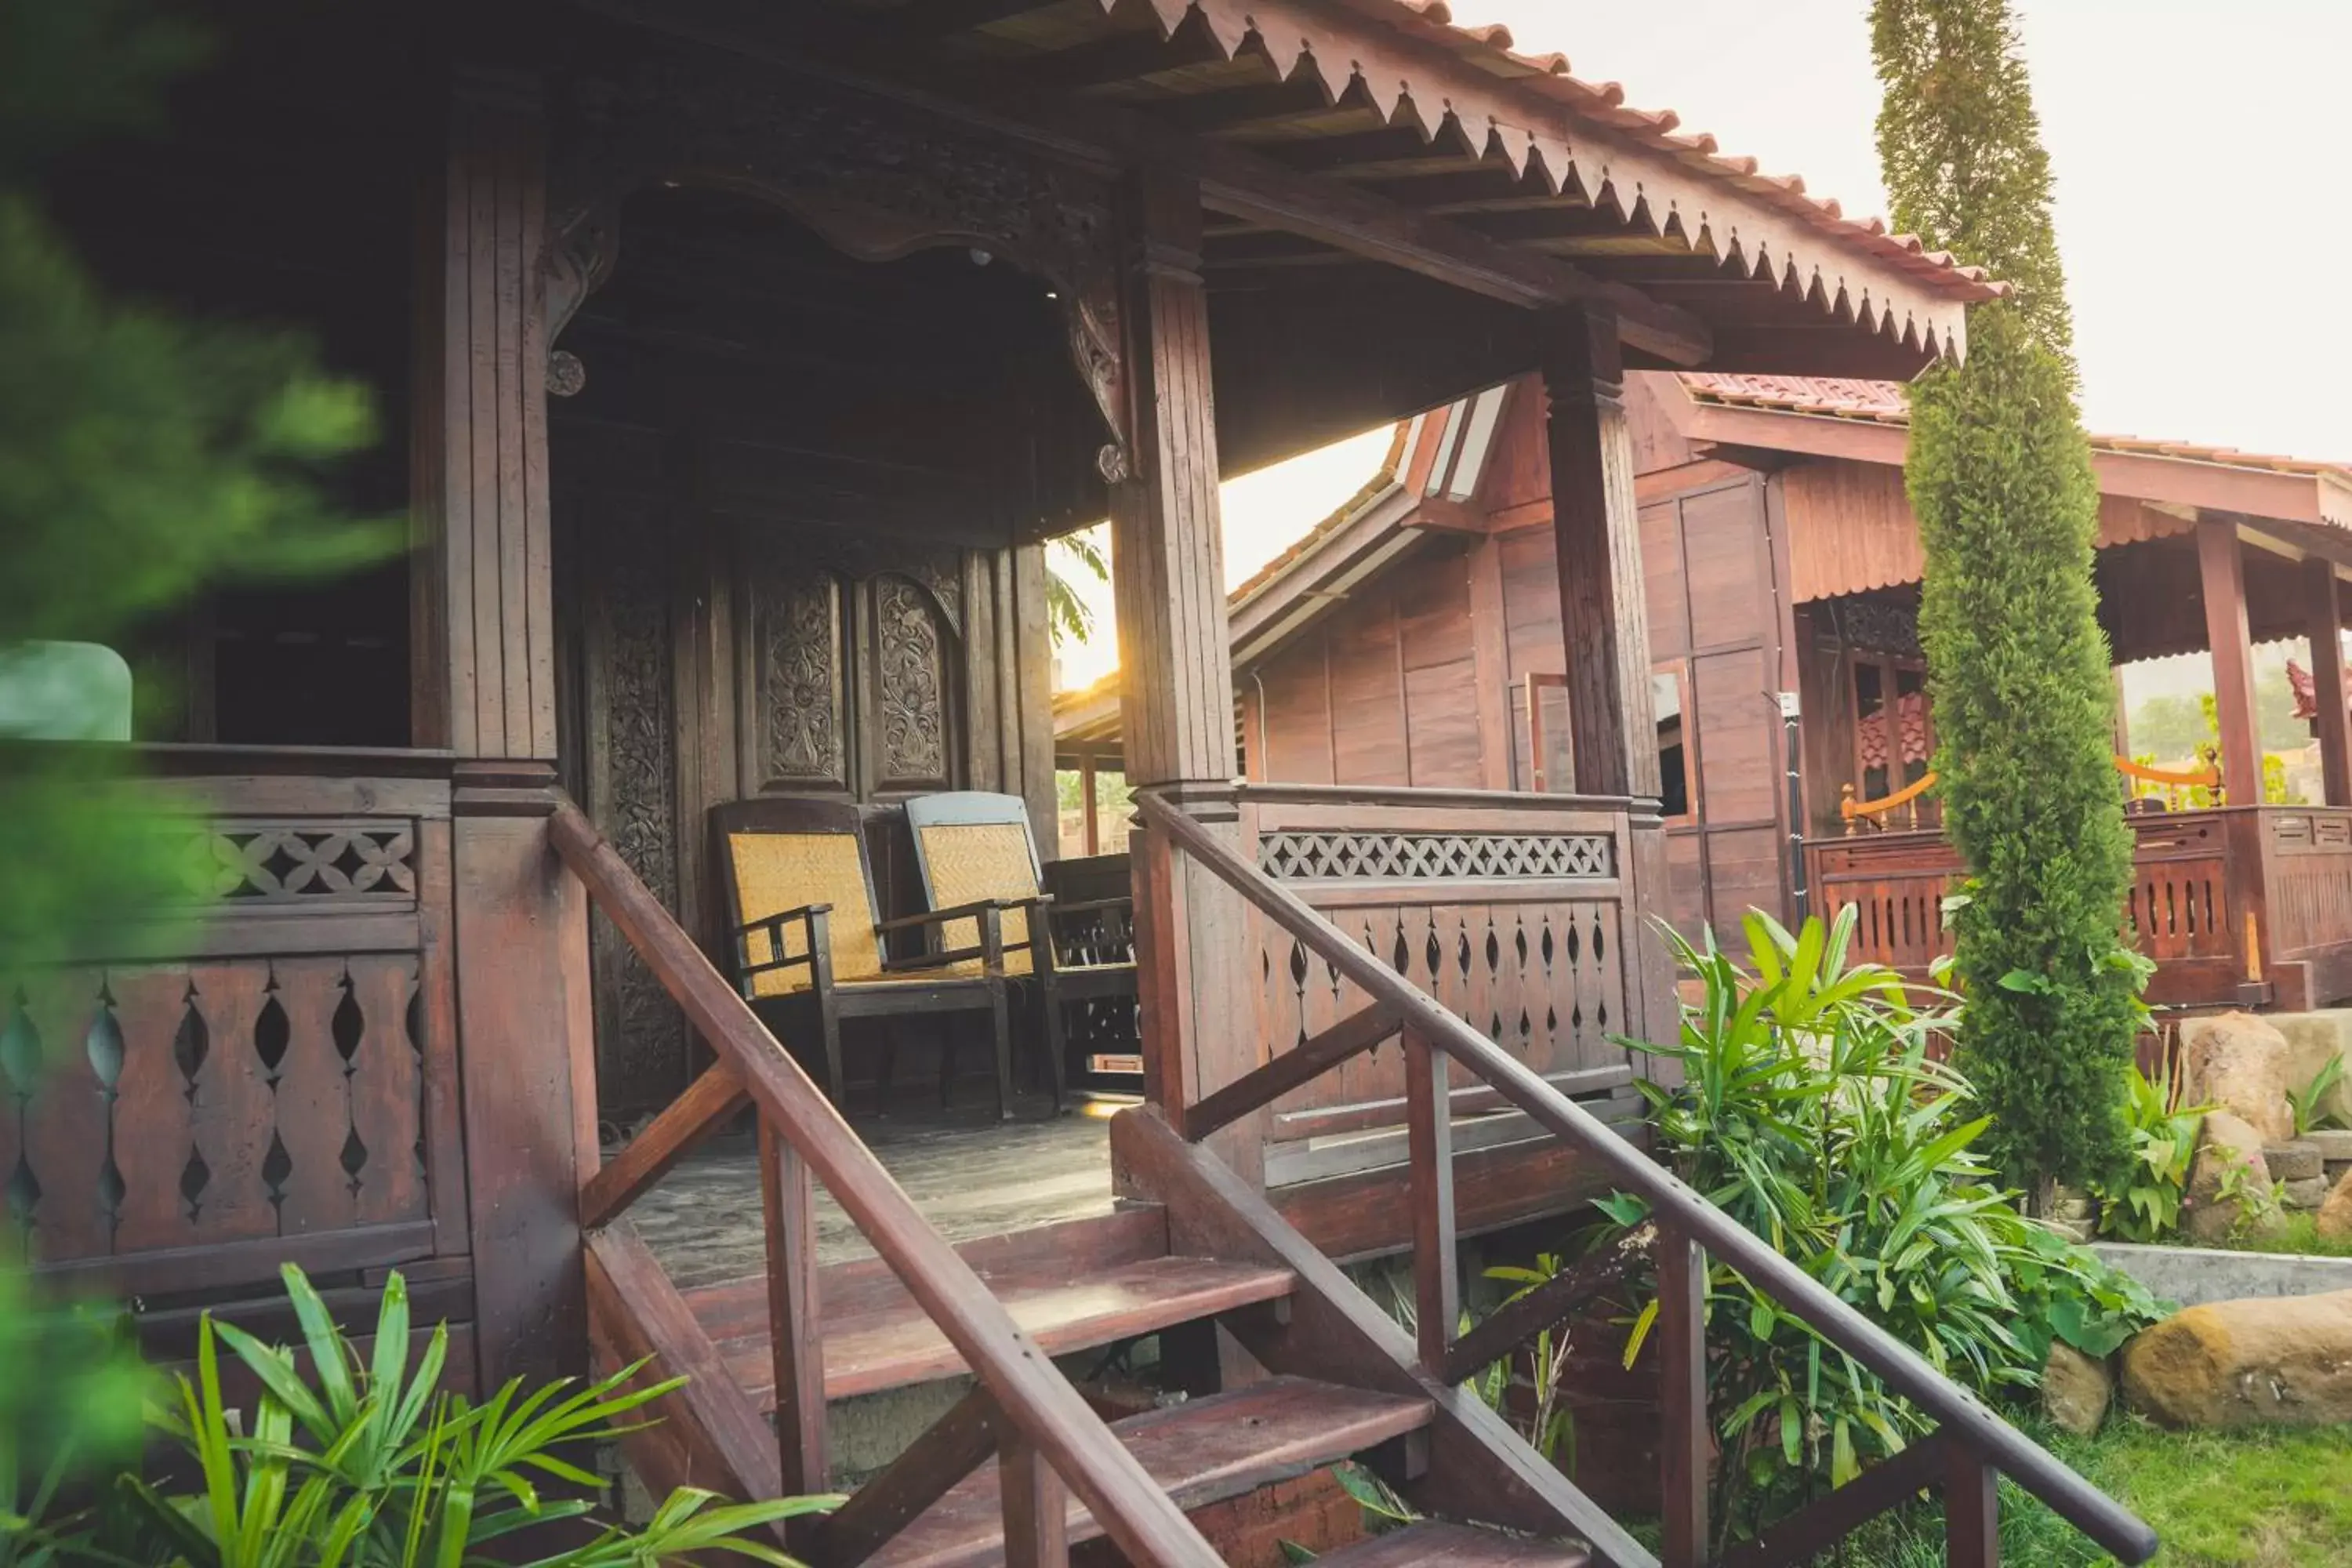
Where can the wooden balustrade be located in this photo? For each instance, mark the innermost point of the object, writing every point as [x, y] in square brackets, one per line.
[1513, 910]
[259, 1065]
[1972, 1444]
[1042, 1432]
[2236, 905]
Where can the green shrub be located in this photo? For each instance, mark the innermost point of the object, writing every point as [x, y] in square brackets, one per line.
[2144, 1203]
[1998, 473]
[1812, 1112]
[368, 1462]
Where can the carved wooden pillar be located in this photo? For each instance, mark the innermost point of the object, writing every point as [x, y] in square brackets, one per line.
[1605, 620]
[1177, 688]
[485, 668]
[1604, 615]
[2325, 616]
[2222, 575]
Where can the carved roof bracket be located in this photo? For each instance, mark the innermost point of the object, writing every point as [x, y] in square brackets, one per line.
[876, 180]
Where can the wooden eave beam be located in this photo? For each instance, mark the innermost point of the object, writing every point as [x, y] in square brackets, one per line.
[1233, 180]
[1244, 185]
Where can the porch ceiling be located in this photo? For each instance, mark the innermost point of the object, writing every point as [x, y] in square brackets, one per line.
[1332, 135]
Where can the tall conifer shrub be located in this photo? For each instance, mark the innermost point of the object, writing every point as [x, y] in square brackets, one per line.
[1999, 475]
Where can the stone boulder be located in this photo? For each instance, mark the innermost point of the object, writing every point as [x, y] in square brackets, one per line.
[2335, 1212]
[2075, 1389]
[2285, 1360]
[2239, 1063]
[2206, 1217]
[2312, 1040]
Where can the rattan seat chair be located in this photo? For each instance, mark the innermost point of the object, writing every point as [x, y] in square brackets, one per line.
[809, 949]
[973, 847]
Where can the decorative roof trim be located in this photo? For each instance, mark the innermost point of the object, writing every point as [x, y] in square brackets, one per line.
[1413, 67]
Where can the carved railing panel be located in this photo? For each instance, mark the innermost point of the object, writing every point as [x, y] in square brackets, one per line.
[2307, 859]
[2195, 883]
[255, 1072]
[1509, 910]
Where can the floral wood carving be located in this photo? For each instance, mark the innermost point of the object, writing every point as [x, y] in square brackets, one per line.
[876, 180]
[799, 678]
[638, 767]
[910, 684]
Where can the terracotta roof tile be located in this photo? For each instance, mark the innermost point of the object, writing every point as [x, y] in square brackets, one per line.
[1881, 401]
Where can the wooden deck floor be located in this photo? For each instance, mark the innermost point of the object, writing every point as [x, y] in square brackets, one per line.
[970, 1173]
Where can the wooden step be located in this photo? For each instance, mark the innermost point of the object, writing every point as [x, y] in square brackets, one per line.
[884, 1340]
[1433, 1545]
[1201, 1451]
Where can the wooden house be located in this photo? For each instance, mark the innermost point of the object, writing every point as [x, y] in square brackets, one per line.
[737, 359]
[1407, 639]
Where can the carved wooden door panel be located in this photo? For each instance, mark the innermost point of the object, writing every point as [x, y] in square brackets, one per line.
[912, 728]
[795, 724]
[848, 680]
[624, 595]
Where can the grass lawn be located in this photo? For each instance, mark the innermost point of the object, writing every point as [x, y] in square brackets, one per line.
[2279, 1498]
[2301, 1236]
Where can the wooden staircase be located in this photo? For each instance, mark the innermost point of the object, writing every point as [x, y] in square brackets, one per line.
[1023, 1468]
[1086, 1285]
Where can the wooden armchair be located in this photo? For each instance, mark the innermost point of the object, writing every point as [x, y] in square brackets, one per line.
[974, 847]
[808, 949]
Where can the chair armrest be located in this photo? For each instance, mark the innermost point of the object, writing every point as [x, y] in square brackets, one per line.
[959, 912]
[781, 917]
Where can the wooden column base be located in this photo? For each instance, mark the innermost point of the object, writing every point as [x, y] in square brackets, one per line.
[526, 1058]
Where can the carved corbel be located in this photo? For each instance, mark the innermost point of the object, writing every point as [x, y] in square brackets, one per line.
[1096, 347]
[582, 248]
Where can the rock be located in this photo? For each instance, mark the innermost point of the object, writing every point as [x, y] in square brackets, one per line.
[2285, 1360]
[2075, 1389]
[2076, 1210]
[2225, 1142]
[2337, 1171]
[2304, 1195]
[2295, 1162]
[2333, 1144]
[2238, 1062]
[2074, 1230]
[2312, 1039]
[2335, 1212]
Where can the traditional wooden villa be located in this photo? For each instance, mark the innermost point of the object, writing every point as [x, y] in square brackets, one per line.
[1408, 638]
[736, 362]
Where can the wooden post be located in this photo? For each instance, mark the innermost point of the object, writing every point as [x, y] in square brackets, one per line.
[1605, 623]
[1091, 813]
[1971, 1512]
[1685, 1438]
[2222, 575]
[796, 1330]
[484, 664]
[1436, 1265]
[2324, 617]
[1176, 665]
[1604, 614]
[1037, 1516]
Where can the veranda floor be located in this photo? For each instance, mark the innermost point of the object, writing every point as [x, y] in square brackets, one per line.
[971, 1175]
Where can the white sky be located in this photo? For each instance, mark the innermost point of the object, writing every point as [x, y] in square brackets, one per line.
[2203, 212]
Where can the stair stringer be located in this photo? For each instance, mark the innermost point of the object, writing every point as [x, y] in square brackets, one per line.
[1480, 1470]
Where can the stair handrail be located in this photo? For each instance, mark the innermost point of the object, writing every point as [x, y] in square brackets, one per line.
[1674, 1205]
[1033, 1396]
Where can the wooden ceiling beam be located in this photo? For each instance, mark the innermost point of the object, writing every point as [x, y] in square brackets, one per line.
[1122, 58]
[1236, 180]
[1239, 110]
[1391, 152]
[936, 17]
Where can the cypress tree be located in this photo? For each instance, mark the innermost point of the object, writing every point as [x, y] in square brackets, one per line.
[1999, 476]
